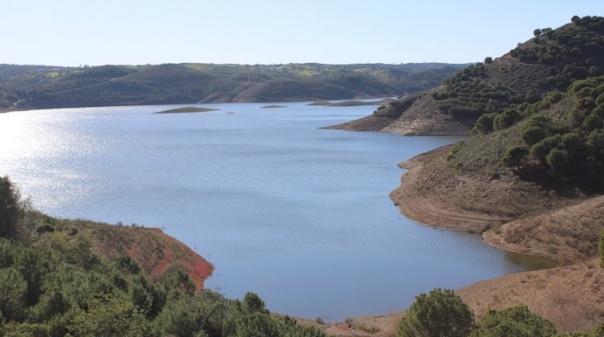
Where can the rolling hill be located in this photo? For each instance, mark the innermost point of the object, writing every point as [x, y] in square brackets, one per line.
[37, 87]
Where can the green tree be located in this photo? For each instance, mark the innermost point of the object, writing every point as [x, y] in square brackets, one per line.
[437, 314]
[252, 303]
[484, 124]
[205, 312]
[515, 156]
[11, 207]
[557, 160]
[514, 322]
[537, 32]
[110, 316]
[33, 264]
[532, 135]
[13, 289]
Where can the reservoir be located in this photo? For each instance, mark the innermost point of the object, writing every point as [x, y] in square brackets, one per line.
[298, 214]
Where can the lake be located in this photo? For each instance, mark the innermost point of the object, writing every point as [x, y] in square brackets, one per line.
[298, 214]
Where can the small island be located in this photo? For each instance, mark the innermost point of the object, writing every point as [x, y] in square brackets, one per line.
[274, 107]
[186, 109]
[350, 103]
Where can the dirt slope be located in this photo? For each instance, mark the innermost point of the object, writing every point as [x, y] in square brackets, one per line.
[154, 250]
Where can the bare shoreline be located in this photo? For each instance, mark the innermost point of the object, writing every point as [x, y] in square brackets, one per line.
[569, 295]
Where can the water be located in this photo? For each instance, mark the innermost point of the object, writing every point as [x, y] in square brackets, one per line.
[298, 214]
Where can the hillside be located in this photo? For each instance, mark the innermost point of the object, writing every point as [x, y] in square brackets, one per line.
[80, 278]
[529, 178]
[550, 61]
[32, 87]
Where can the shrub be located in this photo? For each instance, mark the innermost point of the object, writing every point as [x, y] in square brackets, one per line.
[439, 313]
[532, 135]
[515, 156]
[484, 124]
[11, 209]
[514, 322]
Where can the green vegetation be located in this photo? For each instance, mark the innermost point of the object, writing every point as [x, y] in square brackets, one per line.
[518, 322]
[31, 87]
[187, 109]
[572, 52]
[553, 134]
[442, 313]
[496, 93]
[52, 283]
[439, 313]
[11, 207]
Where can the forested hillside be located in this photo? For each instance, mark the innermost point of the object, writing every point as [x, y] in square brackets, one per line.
[502, 88]
[32, 87]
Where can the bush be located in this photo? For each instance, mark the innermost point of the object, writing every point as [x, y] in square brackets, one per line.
[515, 156]
[514, 322]
[440, 313]
[11, 207]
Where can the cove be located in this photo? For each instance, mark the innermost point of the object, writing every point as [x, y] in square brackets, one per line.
[281, 207]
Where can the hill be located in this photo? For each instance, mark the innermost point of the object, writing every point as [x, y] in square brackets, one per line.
[79, 278]
[38, 87]
[550, 61]
[529, 178]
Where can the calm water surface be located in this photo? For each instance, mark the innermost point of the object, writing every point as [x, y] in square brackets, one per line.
[298, 214]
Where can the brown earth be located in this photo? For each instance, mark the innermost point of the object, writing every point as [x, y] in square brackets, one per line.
[511, 217]
[153, 249]
[421, 117]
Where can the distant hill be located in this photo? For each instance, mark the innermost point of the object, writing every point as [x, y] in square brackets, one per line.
[35, 87]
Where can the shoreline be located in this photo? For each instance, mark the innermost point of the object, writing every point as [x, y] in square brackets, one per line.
[567, 294]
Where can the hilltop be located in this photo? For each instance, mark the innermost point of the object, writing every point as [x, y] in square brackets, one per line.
[39, 87]
[550, 61]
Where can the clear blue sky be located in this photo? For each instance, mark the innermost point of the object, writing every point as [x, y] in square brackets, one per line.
[96, 32]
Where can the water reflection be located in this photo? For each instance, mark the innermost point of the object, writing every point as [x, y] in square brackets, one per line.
[296, 213]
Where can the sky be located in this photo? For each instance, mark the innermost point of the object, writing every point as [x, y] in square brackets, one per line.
[137, 32]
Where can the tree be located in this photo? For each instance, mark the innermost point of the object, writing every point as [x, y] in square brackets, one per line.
[557, 160]
[484, 124]
[514, 322]
[532, 135]
[537, 32]
[110, 315]
[11, 209]
[515, 156]
[437, 314]
[13, 289]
